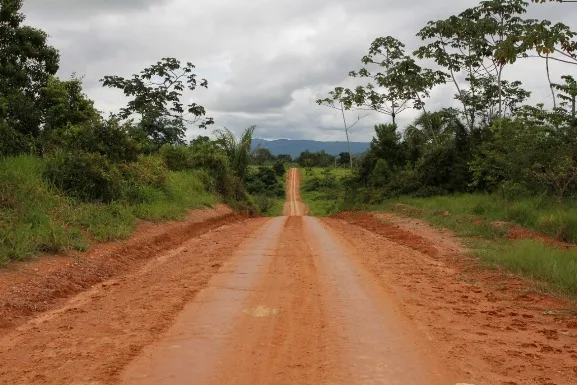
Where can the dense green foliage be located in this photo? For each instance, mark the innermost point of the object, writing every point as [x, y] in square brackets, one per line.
[266, 186]
[68, 174]
[494, 142]
[322, 189]
[36, 217]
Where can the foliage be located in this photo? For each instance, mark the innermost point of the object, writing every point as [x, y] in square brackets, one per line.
[399, 83]
[156, 97]
[237, 151]
[261, 156]
[27, 63]
[323, 189]
[265, 183]
[35, 217]
[315, 159]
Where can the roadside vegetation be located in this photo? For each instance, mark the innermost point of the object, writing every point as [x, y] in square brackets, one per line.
[489, 156]
[70, 175]
[322, 189]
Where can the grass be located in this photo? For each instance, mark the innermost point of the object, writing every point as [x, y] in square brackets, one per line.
[472, 217]
[36, 218]
[542, 214]
[556, 267]
[322, 201]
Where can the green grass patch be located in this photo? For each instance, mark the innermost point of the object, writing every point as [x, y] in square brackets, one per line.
[35, 217]
[322, 189]
[545, 215]
[557, 267]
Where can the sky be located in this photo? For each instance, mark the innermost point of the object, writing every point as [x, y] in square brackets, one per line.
[266, 61]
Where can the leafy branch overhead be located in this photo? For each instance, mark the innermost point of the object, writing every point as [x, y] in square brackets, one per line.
[156, 93]
[396, 84]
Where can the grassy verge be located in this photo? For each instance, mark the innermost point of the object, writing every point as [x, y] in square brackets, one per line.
[321, 189]
[36, 218]
[543, 214]
[555, 268]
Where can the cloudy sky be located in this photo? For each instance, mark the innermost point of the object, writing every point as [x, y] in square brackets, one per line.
[266, 61]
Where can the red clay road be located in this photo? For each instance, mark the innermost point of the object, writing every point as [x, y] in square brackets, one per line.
[301, 300]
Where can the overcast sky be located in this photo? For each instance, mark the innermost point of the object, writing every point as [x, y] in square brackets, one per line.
[266, 61]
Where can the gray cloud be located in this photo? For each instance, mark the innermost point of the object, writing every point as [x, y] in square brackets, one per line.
[86, 7]
[266, 61]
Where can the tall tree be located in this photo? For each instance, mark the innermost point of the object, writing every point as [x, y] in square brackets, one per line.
[26, 64]
[156, 98]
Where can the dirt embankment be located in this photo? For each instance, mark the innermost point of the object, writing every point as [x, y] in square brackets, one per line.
[95, 334]
[30, 288]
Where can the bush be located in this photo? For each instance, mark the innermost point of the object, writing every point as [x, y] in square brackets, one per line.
[264, 182]
[109, 139]
[177, 158]
[91, 177]
[13, 142]
[138, 177]
[279, 168]
[263, 203]
[86, 176]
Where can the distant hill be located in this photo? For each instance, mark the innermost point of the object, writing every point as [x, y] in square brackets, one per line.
[295, 147]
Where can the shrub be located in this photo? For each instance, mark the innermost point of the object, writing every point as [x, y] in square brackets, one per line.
[279, 168]
[263, 203]
[138, 177]
[86, 176]
[109, 139]
[13, 142]
[177, 158]
[264, 182]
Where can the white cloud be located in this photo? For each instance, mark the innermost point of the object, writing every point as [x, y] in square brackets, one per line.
[266, 61]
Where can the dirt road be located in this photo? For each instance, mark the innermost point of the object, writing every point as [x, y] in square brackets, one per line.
[301, 300]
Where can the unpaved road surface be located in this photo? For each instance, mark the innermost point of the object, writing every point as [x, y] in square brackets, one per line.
[357, 299]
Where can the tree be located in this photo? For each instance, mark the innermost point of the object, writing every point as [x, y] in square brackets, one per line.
[286, 158]
[385, 146]
[344, 158]
[27, 63]
[262, 156]
[156, 97]
[399, 83]
[568, 93]
[237, 151]
[63, 103]
[339, 104]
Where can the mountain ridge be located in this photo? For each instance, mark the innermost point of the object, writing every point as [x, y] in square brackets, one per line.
[295, 147]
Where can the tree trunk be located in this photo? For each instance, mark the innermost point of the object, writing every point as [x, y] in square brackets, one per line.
[550, 83]
[347, 133]
[350, 153]
[500, 92]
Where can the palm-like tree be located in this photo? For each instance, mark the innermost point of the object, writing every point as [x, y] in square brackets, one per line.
[434, 128]
[237, 151]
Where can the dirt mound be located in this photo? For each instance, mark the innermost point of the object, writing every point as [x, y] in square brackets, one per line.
[29, 288]
[395, 233]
